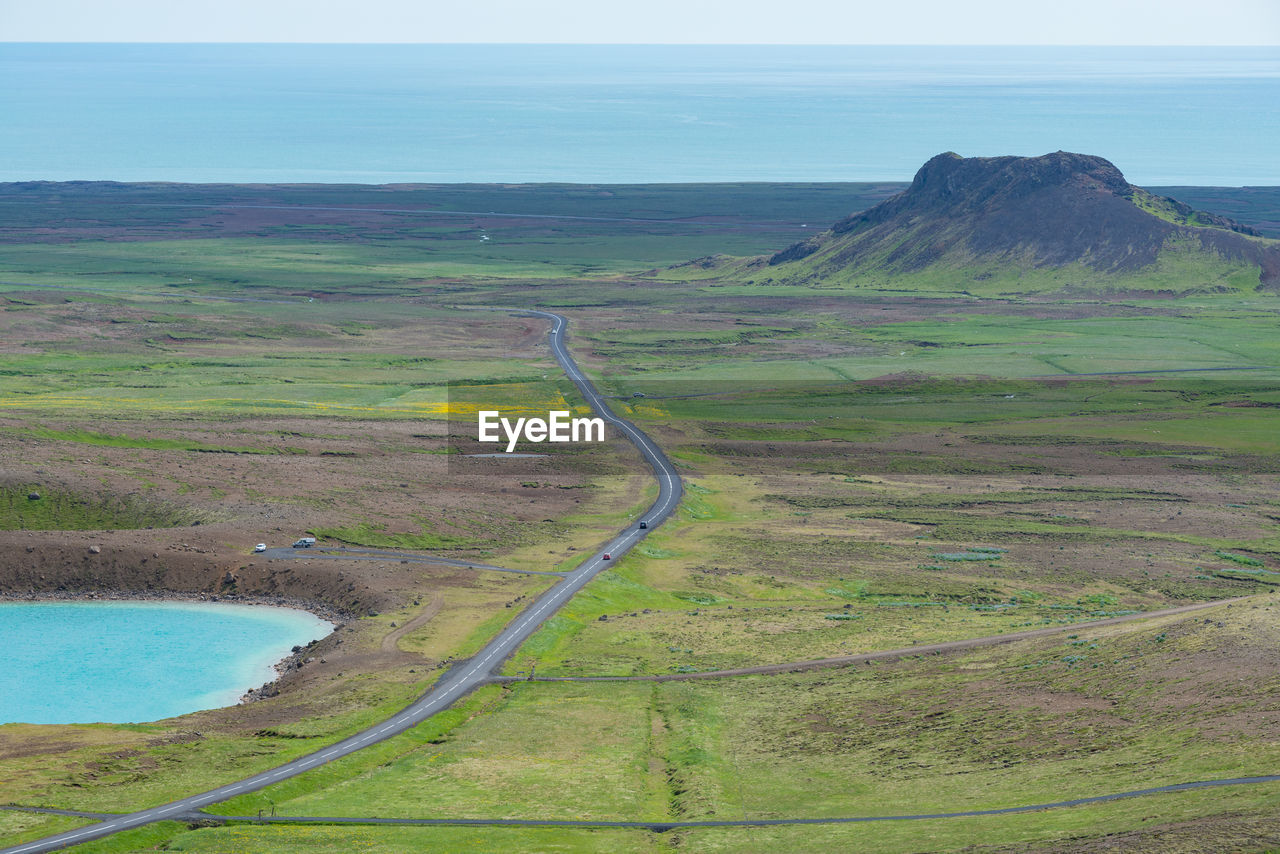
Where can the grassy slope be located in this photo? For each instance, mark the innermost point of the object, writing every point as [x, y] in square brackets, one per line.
[1180, 269]
[1182, 266]
[57, 510]
[1256, 206]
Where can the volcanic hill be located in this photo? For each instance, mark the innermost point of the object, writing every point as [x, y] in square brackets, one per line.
[1010, 224]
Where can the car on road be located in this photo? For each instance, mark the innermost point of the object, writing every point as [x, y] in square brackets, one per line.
[644, 525]
[259, 548]
[606, 555]
[305, 543]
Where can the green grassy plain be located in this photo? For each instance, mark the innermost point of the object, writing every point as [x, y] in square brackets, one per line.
[381, 243]
[869, 464]
[1057, 830]
[17, 827]
[950, 340]
[1042, 720]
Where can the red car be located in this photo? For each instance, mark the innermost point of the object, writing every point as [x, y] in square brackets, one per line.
[606, 555]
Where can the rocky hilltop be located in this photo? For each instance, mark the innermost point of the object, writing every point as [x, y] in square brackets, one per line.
[979, 215]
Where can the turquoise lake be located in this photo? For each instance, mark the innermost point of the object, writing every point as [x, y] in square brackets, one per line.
[444, 113]
[127, 662]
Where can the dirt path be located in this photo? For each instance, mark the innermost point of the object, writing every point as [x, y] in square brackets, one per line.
[666, 826]
[390, 643]
[885, 655]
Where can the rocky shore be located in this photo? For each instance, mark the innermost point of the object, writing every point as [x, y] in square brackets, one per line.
[288, 666]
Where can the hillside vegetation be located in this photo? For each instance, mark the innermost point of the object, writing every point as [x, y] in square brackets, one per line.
[1007, 225]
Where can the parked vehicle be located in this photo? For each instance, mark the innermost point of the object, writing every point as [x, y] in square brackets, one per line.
[259, 548]
[305, 543]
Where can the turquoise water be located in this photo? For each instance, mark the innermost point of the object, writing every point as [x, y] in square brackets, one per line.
[446, 113]
[118, 662]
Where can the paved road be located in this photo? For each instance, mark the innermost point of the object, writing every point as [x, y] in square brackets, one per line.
[464, 676]
[344, 553]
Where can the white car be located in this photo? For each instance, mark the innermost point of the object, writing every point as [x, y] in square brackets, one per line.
[260, 547]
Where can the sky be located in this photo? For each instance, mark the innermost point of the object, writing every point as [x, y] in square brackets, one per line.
[924, 22]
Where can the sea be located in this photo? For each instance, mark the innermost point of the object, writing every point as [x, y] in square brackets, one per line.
[128, 662]
[625, 114]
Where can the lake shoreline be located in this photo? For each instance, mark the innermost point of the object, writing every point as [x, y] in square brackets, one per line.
[325, 612]
[288, 665]
[283, 668]
[274, 659]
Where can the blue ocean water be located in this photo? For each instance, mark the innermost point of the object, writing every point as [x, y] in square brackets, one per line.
[119, 662]
[447, 113]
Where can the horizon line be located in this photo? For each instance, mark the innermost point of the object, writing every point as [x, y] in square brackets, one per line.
[1108, 45]
[526, 183]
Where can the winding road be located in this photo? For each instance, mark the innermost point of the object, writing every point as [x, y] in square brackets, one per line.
[464, 676]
